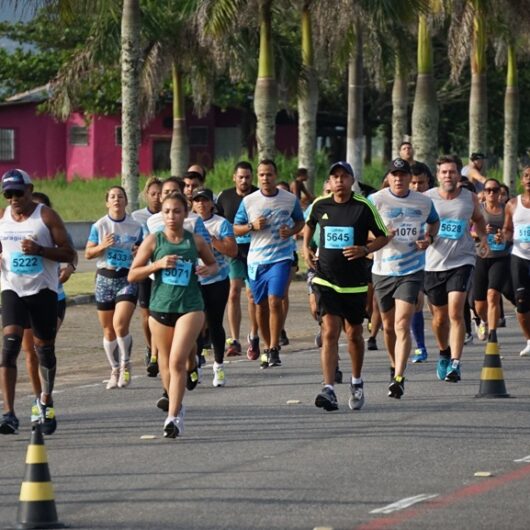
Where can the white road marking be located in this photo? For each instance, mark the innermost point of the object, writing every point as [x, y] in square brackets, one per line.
[404, 503]
[524, 459]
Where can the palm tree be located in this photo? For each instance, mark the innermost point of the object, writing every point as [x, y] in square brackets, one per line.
[511, 120]
[400, 94]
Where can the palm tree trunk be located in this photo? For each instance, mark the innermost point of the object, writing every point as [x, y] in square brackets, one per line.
[354, 145]
[307, 102]
[511, 121]
[425, 113]
[399, 107]
[179, 153]
[266, 90]
[478, 99]
[130, 95]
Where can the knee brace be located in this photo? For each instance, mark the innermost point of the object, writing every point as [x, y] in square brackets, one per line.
[10, 350]
[521, 301]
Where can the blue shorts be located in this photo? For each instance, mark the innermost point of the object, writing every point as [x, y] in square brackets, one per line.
[270, 280]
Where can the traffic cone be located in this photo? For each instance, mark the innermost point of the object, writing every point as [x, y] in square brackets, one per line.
[37, 505]
[492, 378]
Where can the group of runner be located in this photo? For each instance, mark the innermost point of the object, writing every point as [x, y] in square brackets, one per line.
[187, 256]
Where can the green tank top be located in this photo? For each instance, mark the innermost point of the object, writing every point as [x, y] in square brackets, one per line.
[176, 290]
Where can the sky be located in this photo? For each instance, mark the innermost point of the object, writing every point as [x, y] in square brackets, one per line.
[9, 13]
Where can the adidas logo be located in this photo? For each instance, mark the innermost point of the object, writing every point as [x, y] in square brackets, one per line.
[325, 216]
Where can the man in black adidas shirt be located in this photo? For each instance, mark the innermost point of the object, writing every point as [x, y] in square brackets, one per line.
[227, 205]
[341, 280]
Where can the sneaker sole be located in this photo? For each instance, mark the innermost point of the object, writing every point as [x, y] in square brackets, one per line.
[7, 429]
[322, 402]
[395, 391]
[452, 377]
[275, 363]
[356, 406]
[171, 431]
[49, 426]
[152, 370]
[163, 404]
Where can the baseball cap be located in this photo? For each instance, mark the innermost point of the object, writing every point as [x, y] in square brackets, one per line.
[477, 156]
[399, 165]
[15, 179]
[344, 165]
[203, 193]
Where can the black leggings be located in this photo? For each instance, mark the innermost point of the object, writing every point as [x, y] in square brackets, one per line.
[215, 297]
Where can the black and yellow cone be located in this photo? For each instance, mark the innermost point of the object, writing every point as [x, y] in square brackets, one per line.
[492, 377]
[37, 505]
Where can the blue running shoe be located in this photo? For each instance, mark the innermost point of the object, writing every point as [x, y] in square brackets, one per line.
[327, 400]
[420, 355]
[453, 372]
[442, 367]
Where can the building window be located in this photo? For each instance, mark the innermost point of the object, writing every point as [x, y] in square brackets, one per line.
[78, 135]
[7, 144]
[198, 136]
[117, 136]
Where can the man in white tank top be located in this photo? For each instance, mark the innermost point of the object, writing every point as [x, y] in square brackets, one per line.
[449, 264]
[517, 229]
[34, 241]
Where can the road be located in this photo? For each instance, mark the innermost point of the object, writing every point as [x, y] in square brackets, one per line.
[257, 454]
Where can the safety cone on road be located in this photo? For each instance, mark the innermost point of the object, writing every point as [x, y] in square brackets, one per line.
[37, 505]
[492, 378]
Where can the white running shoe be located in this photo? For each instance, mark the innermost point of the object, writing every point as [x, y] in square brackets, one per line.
[113, 379]
[218, 375]
[125, 375]
[481, 330]
[526, 351]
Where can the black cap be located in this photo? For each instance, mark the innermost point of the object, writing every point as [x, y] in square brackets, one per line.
[344, 165]
[399, 165]
[477, 156]
[203, 193]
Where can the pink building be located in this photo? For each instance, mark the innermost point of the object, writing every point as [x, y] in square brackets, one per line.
[44, 146]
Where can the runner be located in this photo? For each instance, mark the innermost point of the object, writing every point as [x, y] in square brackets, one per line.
[176, 304]
[397, 271]
[449, 265]
[113, 240]
[33, 240]
[151, 193]
[517, 229]
[215, 288]
[271, 217]
[341, 279]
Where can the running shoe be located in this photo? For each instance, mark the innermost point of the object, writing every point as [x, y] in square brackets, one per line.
[392, 373]
[453, 372]
[147, 356]
[468, 339]
[397, 387]
[420, 355]
[35, 411]
[113, 379]
[284, 339]
[442, 367]
[502, 322]
[274, 357]
[253, 348]
[327, 400]
[9, 424]
[264, 360]
[125, 375]
[46, 417]
[371, 344]
[234, 348]
[338, 376]
[163, 402]
[318, 339]
[170, 428]
[152, 367]
[356, 400]
[526, 350]
[192, 379]
[218, 375]
[481, 330]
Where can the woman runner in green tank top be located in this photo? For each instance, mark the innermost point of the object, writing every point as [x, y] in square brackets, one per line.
[176, 306]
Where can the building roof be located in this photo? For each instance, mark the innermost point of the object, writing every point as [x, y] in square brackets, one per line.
[35, 95]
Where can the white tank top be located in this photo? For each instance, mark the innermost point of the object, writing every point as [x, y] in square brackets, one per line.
[521, 230]
[23, 273]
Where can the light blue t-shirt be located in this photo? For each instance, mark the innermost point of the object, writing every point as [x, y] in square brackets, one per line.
[219, 228]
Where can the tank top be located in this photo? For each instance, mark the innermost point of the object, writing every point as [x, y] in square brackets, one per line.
[453, 247]
[176, 290]
[521, 230]
[26, 274]
[495, 250]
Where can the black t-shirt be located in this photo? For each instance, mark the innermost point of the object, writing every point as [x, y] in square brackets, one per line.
[228, 203]
[343, 225]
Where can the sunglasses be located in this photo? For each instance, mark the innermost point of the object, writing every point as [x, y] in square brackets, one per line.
[9, 194]
[491, 190]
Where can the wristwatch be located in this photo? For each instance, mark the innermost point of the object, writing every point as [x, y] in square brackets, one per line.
[250, 227]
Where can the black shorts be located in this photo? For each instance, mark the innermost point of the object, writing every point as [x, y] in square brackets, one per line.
[520, 269]
[389, 288]
[439, 283]
[144, 293]
[166, 319]
[61, 311]
[348, 306]
[492, 273]
[40, 310]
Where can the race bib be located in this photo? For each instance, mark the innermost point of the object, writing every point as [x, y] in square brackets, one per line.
[493, 245]
[406, 232]
[120, 258]
[23, 264]
[452, 228]
[523, 233]
[338, 237]
[252, 271]
[179, 275]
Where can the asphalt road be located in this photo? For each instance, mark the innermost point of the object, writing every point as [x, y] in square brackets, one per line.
[258, 454]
